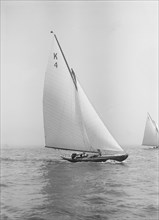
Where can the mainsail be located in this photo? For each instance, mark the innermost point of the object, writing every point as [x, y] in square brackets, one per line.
[151, 133]
[70, 121]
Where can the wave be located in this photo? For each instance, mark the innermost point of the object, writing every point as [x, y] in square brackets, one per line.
[3, 185]
[36, 218]
[152, 208]
[29, 159]
[115, 162]
[6, 217]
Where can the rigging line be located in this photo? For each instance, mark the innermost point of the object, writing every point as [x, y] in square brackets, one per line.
[71, 72]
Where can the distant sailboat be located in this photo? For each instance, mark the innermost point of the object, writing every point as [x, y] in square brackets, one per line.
[70, 121]
[151, 133]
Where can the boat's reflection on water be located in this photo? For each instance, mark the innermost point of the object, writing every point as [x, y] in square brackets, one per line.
[107, 190]
[80, 191]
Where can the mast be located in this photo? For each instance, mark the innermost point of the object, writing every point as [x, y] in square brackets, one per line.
[73, 76]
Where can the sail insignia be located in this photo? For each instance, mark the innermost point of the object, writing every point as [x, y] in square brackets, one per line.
[70, 70]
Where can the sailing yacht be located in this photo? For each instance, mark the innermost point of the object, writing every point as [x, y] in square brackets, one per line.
[70, 121]
[151, 133]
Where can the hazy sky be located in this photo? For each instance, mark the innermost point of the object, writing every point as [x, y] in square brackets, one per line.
[111, 45]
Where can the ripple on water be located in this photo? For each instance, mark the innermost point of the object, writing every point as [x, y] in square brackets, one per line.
[38, 186]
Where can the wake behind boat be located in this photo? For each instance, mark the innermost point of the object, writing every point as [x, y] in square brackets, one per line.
[70, 121]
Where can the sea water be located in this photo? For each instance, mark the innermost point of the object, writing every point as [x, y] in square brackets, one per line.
[37, 185]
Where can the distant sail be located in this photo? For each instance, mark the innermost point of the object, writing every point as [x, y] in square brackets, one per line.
[151, 133]
[70, 121]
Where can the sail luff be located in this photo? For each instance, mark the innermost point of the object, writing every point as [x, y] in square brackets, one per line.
[154, 123]
[156, 126]
[83, 128]
[148, 114]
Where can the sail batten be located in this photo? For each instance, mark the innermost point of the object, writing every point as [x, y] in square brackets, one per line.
[70, 121]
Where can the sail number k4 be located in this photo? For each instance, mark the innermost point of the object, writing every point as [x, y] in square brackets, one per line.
[55, 58]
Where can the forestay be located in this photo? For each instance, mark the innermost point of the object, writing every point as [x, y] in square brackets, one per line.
[70, 121]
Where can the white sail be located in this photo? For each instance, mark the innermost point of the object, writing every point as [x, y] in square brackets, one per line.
[70, 122]
[151, 133]
[97, 132]
[62, 125]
